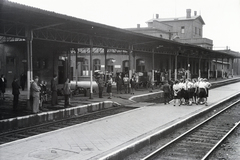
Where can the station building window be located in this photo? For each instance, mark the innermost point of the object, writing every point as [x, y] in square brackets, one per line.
[85, 67]
[96, 64]
[140, 65]
[110, 64]
[182, 29]
[125, 66]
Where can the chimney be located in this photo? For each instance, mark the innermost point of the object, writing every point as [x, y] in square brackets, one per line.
[188, 13]
[138, 25]
[157, 16]
[195, 13]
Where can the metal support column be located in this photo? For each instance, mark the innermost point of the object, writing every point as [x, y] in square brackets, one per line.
[153, 65]
[222, 68]
[188, 67]
[76, 70]
[69, 65]
[105, 60]
[91, 69]
[175, 71]
[232, 66]
[170, 67]
[29, 38]
[130, 60]
[209, 68]
[216, 69]
[199, 67]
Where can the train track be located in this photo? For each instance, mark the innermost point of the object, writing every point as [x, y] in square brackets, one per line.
[14, 135]
[200, 141]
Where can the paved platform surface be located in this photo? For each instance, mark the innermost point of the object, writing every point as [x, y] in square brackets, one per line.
[6, 109]
[98, 138]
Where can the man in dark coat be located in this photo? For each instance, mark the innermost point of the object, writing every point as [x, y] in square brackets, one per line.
[15, 92]
[100, 85]
[54, 90]
[3, 85]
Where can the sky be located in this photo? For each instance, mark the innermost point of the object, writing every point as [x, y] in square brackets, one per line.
[221, 17]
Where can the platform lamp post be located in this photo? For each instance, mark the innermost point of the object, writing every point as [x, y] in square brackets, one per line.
[91, 69]
[72, 51]
[29, 39]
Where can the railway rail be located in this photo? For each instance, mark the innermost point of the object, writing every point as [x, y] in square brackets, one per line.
[200, 141]
[17, 134]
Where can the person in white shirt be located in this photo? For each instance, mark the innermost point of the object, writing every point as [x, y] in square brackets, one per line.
[195, 87]
[176, 91]
[207, 86]
[190, 91]
[181, 92]
[203, 86]
[126, 83]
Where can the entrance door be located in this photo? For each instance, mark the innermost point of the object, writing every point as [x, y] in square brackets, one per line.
[11, 69]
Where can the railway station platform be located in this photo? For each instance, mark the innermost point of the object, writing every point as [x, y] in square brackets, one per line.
[140, 95]
[108, 137]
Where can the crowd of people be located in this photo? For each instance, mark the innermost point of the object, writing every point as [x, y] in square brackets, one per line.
[123, 84]
[38, 91]
[190, 91]
[184, 91]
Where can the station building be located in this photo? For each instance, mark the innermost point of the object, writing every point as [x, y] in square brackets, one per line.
[189, 29]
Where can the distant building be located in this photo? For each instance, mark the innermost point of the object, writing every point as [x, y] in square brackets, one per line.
[188, 29]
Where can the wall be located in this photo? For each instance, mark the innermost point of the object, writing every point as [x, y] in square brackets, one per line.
[12, 57]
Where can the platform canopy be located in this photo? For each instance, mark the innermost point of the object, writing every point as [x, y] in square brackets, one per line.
[17, 21]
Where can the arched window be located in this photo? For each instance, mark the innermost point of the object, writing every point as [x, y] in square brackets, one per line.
[125, 66]
[140, 65]
[110, 64]
[85, 67]
[96, 64]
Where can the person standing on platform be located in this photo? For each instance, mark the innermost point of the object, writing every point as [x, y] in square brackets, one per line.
[35, 91]
[176, 91]
[15, 92]
[119, 82]
[43, 93]
[54, 90]
[109, 86]
[100, 85]
[126, 83]
[133, 83]
[3, 85]
[67, 92]
[166, 90]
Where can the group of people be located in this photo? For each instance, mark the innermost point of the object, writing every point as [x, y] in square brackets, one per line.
[190, 91]
[38, 93]
[101, 84]
[3, 85]
[15, 88]
[126, 83]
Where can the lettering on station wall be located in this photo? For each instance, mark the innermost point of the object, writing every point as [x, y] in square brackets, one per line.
[117, 66]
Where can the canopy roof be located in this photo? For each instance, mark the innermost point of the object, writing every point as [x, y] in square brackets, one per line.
[16, 20]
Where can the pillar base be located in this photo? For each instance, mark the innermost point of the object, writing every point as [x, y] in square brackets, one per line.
[91, 96]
